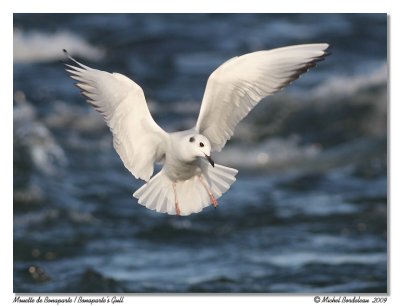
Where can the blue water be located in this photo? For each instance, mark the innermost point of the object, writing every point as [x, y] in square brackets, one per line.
[308, 212]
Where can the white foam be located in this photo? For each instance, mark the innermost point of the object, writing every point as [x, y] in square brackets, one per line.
[34, 46]
[272, 153]
[299, 259]
[347, 85]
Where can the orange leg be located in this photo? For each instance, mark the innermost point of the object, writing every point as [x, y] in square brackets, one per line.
[212, 198]
[178, 212]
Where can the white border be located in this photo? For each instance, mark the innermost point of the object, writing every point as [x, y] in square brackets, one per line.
[216, 6]
[7, 8]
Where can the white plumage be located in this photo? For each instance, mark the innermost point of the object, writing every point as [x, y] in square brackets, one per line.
[189, 180]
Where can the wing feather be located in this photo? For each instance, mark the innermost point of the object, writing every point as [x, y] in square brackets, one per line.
[239, 84]
[138, 140]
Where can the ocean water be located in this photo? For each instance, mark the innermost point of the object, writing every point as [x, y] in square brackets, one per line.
[308, 212]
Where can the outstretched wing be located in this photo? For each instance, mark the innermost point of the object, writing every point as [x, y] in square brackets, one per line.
[236, 86]
[139, 141]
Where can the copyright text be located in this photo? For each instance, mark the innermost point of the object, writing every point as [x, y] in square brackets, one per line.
[349, 300]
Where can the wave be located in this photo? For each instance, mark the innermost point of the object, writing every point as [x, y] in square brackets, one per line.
[348, 85]
[34, 144]
[272, 153]
[301, 259]
[34, 46]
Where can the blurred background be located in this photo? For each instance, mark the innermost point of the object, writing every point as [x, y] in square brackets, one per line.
[308, 212]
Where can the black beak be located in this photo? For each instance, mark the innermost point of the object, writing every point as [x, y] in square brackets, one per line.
[209, 159]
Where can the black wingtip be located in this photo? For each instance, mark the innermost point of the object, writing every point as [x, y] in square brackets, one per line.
[68, 55]
[70, 59]
[297, 73]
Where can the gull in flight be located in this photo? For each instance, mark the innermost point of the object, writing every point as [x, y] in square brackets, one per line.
[189, 180]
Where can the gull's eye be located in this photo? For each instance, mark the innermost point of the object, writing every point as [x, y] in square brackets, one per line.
[191, 139]
[201, 144]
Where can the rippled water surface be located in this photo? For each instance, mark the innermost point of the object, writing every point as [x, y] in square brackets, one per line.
[308, 212]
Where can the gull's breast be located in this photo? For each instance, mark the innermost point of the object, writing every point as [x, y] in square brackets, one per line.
[179, 171]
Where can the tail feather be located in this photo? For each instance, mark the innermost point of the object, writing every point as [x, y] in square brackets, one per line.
[191, 197]
[149, 194]
[162, 201]
[155, 194]
[220, 179]
[158, 194]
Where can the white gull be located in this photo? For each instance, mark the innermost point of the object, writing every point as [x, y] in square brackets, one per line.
[189, 180]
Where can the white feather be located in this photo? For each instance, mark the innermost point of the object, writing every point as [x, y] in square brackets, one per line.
[158, 193]
[236, 86]
[139, 141]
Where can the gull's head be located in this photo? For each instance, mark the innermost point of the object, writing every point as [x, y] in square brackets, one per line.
[198, 146]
